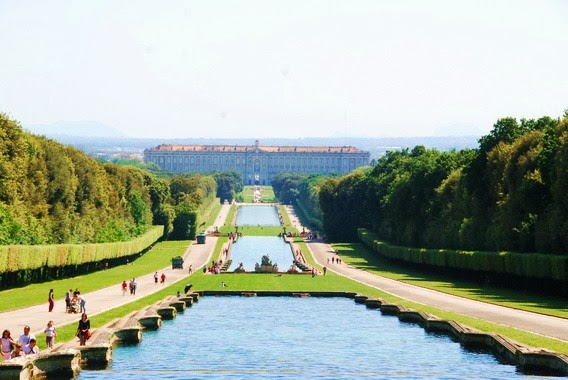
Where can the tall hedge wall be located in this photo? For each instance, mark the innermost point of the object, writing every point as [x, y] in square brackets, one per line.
[521, 265]
[14, 258]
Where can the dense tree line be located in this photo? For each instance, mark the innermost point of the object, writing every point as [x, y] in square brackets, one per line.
[51, 193]
[302, 191]
[508, 194]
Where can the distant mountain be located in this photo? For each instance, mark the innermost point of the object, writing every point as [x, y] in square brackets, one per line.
[74, 129]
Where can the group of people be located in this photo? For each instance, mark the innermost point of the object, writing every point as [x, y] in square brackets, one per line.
[335, 260]
[74, 301]
[214, 268]
[131, 286]
[162, 277]
[26, 343]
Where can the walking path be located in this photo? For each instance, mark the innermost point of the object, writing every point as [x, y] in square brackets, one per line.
[196, 255]
[549, 326]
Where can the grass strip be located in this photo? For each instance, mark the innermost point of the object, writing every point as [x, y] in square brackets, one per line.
[158, 257]
[358, 255]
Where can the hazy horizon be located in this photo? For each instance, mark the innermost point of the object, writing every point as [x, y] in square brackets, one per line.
[283, 69]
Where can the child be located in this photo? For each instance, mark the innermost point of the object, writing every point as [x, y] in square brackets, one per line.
[50, 334]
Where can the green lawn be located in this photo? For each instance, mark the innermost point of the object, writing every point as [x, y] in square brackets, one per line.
[360, 256]
[266, 194]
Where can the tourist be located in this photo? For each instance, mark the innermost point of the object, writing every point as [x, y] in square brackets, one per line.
[187, 288]
[324, 270]
[68, 300]
[82, 302]
[17, 351]
[163, 278]
[6, 344]
[50, 300]
[124, 286]
[50, 334]
[133, 286]
[83, 328]
[155, 277]
[26, 337]
[178, 294]
[31, 348]
[190, 270]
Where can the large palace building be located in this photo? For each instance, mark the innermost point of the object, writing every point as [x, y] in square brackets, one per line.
[258, 164]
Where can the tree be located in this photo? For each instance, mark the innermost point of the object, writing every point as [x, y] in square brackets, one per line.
[138, 211]
[184, 224]
[229, 183]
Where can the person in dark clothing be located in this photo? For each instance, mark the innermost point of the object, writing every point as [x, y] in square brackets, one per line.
[187, 288]
[83, 329]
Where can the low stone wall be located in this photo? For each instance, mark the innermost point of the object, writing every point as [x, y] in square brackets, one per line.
[526, 358]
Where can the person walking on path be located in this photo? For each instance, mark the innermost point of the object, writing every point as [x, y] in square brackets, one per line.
[50, 300]
[163, 278]
[7, 343]
[26, 337]
[83, 328]
[156, 277]
[50, 334]
[133, 287]
[124, 286]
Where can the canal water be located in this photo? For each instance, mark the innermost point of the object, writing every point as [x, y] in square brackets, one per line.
[257, 216]
[295, 338]
[250, 249]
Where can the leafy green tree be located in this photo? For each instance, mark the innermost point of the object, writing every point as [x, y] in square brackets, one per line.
[185, 222]
[229, 183]
[138, 211]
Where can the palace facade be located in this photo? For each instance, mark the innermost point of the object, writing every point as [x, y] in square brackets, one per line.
[258, 164]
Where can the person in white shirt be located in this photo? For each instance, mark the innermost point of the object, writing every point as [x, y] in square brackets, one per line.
[50, 334]
[82, 302]
[31, 348]
[26, 337]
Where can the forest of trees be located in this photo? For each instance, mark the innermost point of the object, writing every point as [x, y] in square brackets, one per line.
[51, 193]
[509, 194]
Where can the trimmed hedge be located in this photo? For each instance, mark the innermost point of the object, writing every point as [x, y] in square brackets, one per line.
[527, 265]
[14, 258]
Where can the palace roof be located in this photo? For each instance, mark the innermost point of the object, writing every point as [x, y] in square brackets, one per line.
[252, 148]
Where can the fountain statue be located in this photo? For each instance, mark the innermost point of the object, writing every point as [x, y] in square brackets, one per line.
[266, 266]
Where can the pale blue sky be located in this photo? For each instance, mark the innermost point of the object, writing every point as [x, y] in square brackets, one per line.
[289, 68]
